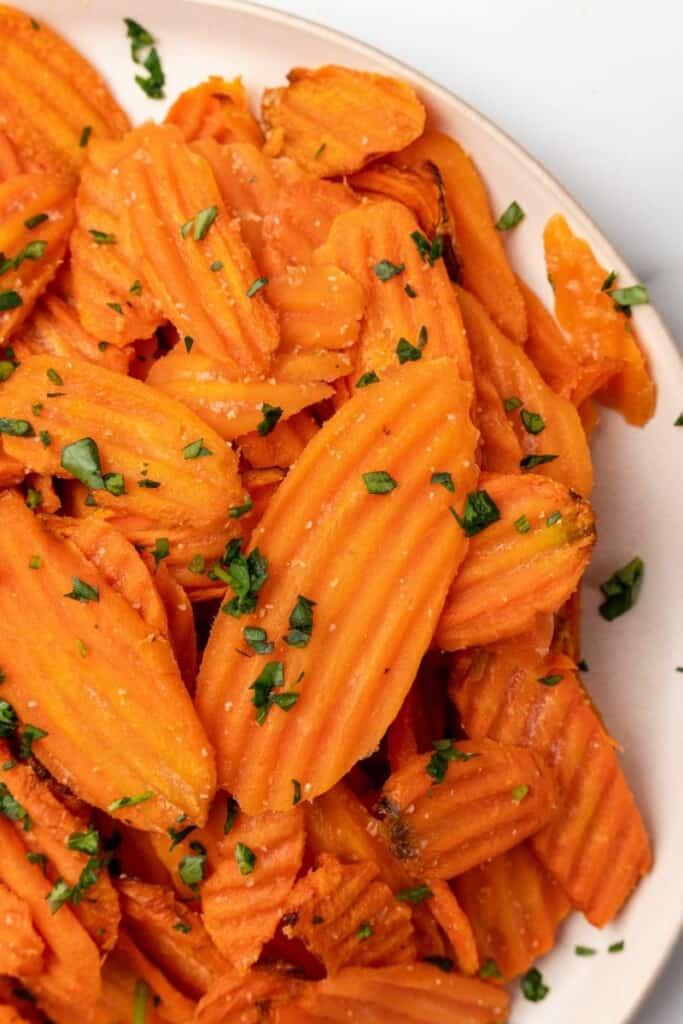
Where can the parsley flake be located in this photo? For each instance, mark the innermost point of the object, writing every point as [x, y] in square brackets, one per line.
[188, 342]
[385, 269]
[379, 482]
[511, 217]
[245, 857]
[490, 969]
[161, 549]
[621, 589]
[553, 518]
[178, 835]
[445, 479]
[522, 524]
[512, 403]
[85, 136]
[584, 951]
[371, 378]
[237, 511]
[8, 720]
[300, 622]
[58, 895]
[533, 421]
[429, 252]
[129, 801]
[10, 300]
[271, 415]
[102, 237]
[480, 511]
[409, 353]
[15, 428]
[12, 809]
[551, 680]
[196, 450]
[532, 986]
[82, 591]
[364, 931]
[616, 947]
[85, 842]
[296, 798]
[136, 288]
[518, 793]
[257, 639]
[144, 52]
[416, 895]
[410, 291]
[445, 751]
[245, 575]
[231, 812]
[531, 461]
[271, 678]
[256, 286]
[35, 220]
[624, 298]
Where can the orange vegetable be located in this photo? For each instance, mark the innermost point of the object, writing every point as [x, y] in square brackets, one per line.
[21, 947]
[514, 907]
[422, 715]
[8, 1015]
[416, 189]
[36, 64]
[317, 307]
[54, 328]
[126, 970]
[334, 120]
[548, 347]
[529, 561]
[501, 451]
[321, 737]
[181, 625]
[11, 471]
[216, 109]
[251, 1000]
[242, 903]
[454, 921]
[9, 165]
[106, 738]
[283, 446]
[307, 365]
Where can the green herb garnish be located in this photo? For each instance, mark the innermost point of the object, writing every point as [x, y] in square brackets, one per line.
[511, 217]
[379, 482]
[385, 269]
[480, 511]
[621, 589]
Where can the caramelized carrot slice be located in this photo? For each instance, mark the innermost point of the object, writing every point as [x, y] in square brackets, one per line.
[126, 970]
[375, 244]
[409, 425]
[254, 999]
[191, 253]
[215, 109]
[317, 307]
[243, 899]
[31, 255]
[529, 561]
[21, 947]
[454, 921]
[517, 381]
[596, 846]
[54, 329]
[548, 347]
[334, 120]
[9, 165]
[484, 805]
[106, 739]
[514, 907]
[48, 94]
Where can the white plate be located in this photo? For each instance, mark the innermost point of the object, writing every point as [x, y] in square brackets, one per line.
[639, 492]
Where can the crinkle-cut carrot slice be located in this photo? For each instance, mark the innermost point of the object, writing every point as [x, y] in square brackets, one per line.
[229, 405]
[171, 852]
[9, 164]
[253, 999]
[21, 947]
[54, 328]
[373, 241]
[305, 365]
[334, 120]
[485, 805]
[548, 346]
[484, 266]
[186, 955]
[345, 914]
[216, 109]
[71, 971]
[181, 625]
[322, 529]
[453, 919]
[261, 485]
[528, 562]
[318, 306]
[514, 907]
[416, 189]
[283, 446]
[36, 252]
[107, 738]
[48, 94]
[501, 451]
[140, 433]
[127, 969]
[242, 908]
[514, 376]
[597, 845]
[601, 335]
[422, 715]
[51, 825]
[300, 221]
[192, 254]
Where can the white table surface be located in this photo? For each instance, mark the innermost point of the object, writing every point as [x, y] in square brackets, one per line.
[593, 90]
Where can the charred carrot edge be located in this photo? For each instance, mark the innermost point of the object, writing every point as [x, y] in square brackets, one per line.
[283, 446]
[514, 907]
[528, 562]
[416, 189]
[596, 846]
[548, 347]
[453, 919]
[192, 255]
[242, 901]
[516, 378]
[181, 624]
[175, 1008]
[236, 998]
[318, 306]
[215, 109]
[377, 240]
[334, 120]
[9, 165]
[36, 252]
[105, 740]
[54, 328]
[326, 487]
[21, 947]
[37, 63]
[484, 266]
[482, 806]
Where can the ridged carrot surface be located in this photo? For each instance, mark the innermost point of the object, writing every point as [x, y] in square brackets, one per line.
[252, 1000]
[9, 164]
[514, 376]
[107, 738]
[168, 189]
[215, 109]
[123, 972]
[501, 451]
[34, 254]
[529, 561]
[334, 120]
[484, 266]
[231, 406]
[181, 625]
[140, 433]
[317, 306]
[548, 347]
[416, 189]
[360, 242]
[48, 94]
[596, 846]
[21, 947]
[514, 907]
[54, 328]
[241, 908]
[71, 972]
[454, 920]
[410, 425]
[484, 806]
[602, 336]
[51, 825]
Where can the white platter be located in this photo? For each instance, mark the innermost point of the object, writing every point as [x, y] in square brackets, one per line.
[639, 492]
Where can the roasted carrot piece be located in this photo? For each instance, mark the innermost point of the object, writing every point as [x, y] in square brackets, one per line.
[375, 244]
[418, 190]
[446, 909]
[422, 715]
[71, 972]
[548, 347]
[9, 1015]
[559, 433]
[306, 365]
[283, 446]
[601, 335]
[171, 851]
[36, 64]
[484, 805]
[334, 120]
[215, 109]
[501, 451]
[54, 328]
[317, 306]
[31, 255]
[9, 165]
[126, 970]
[105, 740]
[484, 266]
[412, 423]
[141, 434]
[242, 901]
[192, 255]
[528, 562]
[181, 625]
[48, 500]
[567, 628]
[21, 947]
[253, 999]
[596, 846]
[514, 907]
[11, 471]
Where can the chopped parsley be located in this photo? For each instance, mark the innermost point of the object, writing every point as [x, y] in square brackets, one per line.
[269, 679]
[197, 564]
[37, 858]
[553, 518]
[371, 378]
[82, 459]
[12, 809]
[59, 894]
[511, 217]
[245, 857]
[531, 461]
[551, 680]
[271, 415]
[379, 482]
[144, 52]
[609, 281]
[6, 370]
[216, 266]
[296, 797]
[178, 835]
[135, 289]
[480, 511]
[416, 895]
[678, 422]
[85, 136]
[522, 524]
[320, 150]
[624, 298]
[53, 376]
[410, 291]
[582, 665]
[149, 484]
[188, 342]
[245, 575]
[29, 735]
[300, 622]
[532, 986]
[616, 947]
[621, 589]
[180, 926]
[162, 549]
[35, 220]
[445, 479]
[34, 499]
[385, 269]
[8, 720]
[409, 353]
[257, 639]
[196, 450]
[533, 421]
[15, 428]
[35, 562]
[518, 793]
[199, 225]
[102, 237]
[429, 252]
[584, 951]
[364, 931]
[129, 801]
[256, 286]
[140, 1001]
[512, 403]
[490, 969]
[10, 300]
[231, 812]
[116, 307]
[32, 251]
[82, 591]
[445, 751]
[85, 842]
